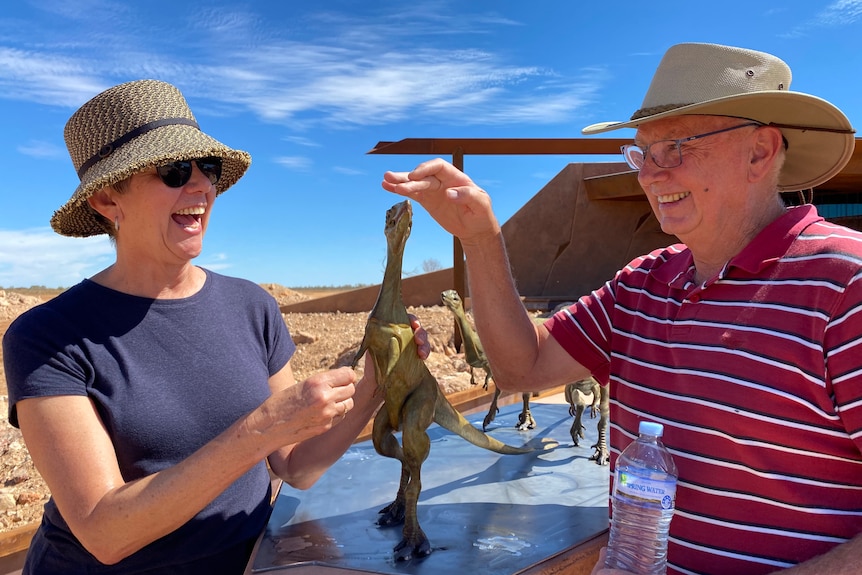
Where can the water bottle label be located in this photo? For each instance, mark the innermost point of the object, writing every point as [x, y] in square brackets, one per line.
[635, 486]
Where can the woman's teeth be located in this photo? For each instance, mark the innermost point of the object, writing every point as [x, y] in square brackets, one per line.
[196, 211]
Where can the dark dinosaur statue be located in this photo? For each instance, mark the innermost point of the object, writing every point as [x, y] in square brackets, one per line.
[475, 357]
[600, 404]
[412, 397]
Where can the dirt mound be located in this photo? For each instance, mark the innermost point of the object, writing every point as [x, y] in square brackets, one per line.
[22, 490]
[283, 295]
[13, 304]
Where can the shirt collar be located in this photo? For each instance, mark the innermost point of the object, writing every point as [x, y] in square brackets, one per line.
[767, 247]
[774, 240]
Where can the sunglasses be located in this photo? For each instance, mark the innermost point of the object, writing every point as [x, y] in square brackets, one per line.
[177, 174]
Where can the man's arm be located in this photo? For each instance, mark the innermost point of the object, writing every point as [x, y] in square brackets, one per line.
[523, 356]
[841, 560]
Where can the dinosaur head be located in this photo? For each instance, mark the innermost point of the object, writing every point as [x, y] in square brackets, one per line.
[399, 219]
[451, 299]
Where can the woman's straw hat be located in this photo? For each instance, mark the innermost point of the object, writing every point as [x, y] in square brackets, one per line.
[125, 130]
[726, 81]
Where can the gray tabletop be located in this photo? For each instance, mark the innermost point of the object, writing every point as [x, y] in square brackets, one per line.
[484, 513]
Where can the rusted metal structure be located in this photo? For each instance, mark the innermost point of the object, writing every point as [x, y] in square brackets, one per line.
[457, 148]
[606, 197]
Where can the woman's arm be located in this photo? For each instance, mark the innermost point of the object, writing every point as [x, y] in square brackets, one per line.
[112, 518]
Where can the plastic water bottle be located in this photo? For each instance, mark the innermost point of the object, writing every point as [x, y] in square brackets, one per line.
[643, 503]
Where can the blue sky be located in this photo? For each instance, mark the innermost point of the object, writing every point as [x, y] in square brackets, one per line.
[308, 88]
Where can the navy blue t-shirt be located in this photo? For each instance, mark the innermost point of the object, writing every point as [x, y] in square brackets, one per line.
[166, 376]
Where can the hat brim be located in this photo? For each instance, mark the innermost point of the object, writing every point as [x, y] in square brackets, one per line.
[171, 143]
[813, 157]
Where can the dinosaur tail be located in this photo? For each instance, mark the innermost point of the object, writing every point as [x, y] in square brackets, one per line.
[447, 417]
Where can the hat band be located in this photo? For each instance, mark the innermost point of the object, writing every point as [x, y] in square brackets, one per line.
[109, 149]
[811, 128]
[644, 112]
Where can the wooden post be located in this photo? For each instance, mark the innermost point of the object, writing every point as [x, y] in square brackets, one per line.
[459, 271]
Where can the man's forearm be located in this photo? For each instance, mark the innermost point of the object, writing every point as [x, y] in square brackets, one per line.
[843, 559]
[506, 331]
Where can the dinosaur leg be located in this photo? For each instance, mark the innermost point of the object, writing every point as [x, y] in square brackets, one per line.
[595, 406]
[418, 414]
[571, 395]
[493, 410]
[602, 455]
[387, 445]
[525, 419]
[577, 430]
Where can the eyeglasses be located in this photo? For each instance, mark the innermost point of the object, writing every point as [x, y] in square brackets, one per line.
[177, 174]
[667, 153]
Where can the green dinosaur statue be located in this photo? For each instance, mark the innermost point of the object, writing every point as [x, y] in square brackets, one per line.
[475, 356]
[600, 404]
[412, 397]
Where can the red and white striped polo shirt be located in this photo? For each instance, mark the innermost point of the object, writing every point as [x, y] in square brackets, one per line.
[757, 378]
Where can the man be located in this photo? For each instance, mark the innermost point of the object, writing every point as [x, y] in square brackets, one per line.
[743, 340]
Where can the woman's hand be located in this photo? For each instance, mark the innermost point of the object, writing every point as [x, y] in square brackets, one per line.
[308, 408]
[314, 416]
[420, 336]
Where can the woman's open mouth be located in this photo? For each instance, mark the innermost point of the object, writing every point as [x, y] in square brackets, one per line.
[189, 218]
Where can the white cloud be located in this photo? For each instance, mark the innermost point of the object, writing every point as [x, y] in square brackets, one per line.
[41, 257]
[294, 162]
[348, 171]
[215, 262]
[840, 13]
[38, 149]
[837, 14]
[303, 141]
[299, 77]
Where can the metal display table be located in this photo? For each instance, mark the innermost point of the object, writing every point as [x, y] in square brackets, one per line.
[484, 513]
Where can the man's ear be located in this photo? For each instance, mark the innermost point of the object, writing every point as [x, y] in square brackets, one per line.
[766, 147]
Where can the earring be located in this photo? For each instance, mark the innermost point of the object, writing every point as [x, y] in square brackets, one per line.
[117, 223]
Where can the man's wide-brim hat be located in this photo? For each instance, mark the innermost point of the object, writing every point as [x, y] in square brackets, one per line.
[127, 129]
[725, 81]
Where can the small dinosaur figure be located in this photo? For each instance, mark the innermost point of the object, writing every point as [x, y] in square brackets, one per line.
[412, 397]
[600, 404]
[475, 356]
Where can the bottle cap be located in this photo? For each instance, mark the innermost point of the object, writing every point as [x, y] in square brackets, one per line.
[650, 428]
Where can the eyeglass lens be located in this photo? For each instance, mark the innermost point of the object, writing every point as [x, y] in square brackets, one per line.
[177, 174]
[665, 154]
[668, 153]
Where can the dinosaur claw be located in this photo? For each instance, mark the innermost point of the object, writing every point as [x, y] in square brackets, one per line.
[392, 514]
[409, 548]
[600, 456]
[525, 422]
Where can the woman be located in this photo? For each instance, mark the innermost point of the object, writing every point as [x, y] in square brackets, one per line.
[152, 395]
